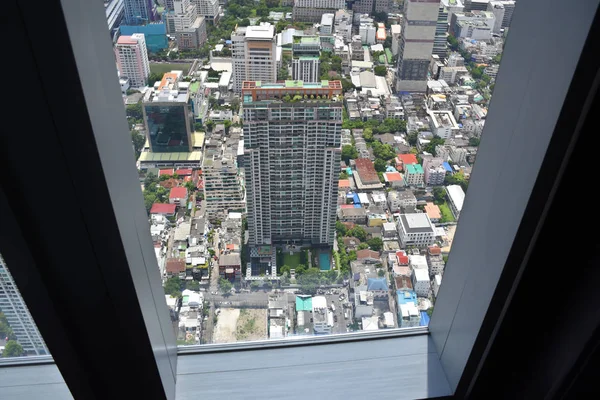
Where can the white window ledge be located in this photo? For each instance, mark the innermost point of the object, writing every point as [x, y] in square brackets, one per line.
[405, 367]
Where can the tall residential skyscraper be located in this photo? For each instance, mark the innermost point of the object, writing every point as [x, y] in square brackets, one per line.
[292, 152]
[305, 58]
[18, 316]
[416, 44]
[132, 59]
[138, 12]
[254, 54]
[440, 41]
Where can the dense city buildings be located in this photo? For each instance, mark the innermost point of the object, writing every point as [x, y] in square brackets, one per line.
[254, 54]
[132, 59]
[186, 25]
[17, 315]
[416, 44]
[292, 169]
[209, 9]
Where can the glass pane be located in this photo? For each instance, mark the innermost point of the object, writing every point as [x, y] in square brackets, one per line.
[19, 336]
[303, 167]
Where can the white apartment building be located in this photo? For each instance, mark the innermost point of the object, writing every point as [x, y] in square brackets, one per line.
[458, 155]
[421, 282]
[254, 54]
[132, 59]
[326, 24]
[209, 9]
[183, 16]
[287, 203]
[413, 175]
[18, 316]
[415, 230]
[395, 30]
[442, 123]
[306, 68]
[456, 197]
[436, 282]
[453, 6]
[477, 25]
[434, 171]
[435, 260]
[496, 8]
[343, 24]
[398, 200]
[367, 33]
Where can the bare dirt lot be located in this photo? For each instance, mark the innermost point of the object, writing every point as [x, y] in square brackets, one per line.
[236, 325]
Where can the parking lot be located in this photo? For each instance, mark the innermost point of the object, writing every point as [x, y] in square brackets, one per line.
[339, 307]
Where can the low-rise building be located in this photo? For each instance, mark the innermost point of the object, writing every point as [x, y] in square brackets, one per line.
[436, 282]
[415, 230]
[175, 267]
[326, 24]
[442, 123]
[435, 260]
[230, 266]
[378, 288]
[356, 215]
[376, 219]
[433, 212]
[421, 282]
[408, 314]
[434, 171]
[178, 195]
[400, 200]
[368, 256]
[456, 197]
[393, 179]
[167, 210]
[351, 243]
[388, 230]
[413, 175]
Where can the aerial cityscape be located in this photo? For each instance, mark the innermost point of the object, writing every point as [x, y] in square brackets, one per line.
[303, 163]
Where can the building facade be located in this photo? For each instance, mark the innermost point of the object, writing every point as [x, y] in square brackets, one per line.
[139, 12]
[440, 41]
[132, 59]
[415, 230]
[292, 152]
[209, 9]
[115, 12]
[254, 55]
[306, 68]
[413, 175]
[312, 10]
[18, 316]
[434, 171]
[416, 44]
[167, 116]
[456, 197]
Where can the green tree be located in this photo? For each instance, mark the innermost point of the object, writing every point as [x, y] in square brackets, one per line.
[412, 138]
[349, 152]
[192, 285]
[376, 244]
[138, 142]
[12, 349]
[210, 124]
[235, 104]
[134, 111]
[430, 311]
[497, 58]
[439, 194]
[380, 165]
[343, 175]
[452, 43]
[430, 147]
[340, 229]
[381, 273]
[154, 77]
[368, 134]
[473, 141]
[477, 72]
[149, 199]
[5, 329]
[173, 286]
[381, 70]
[283, 73]
[358, 232]
[363, 246]
[347, 85]
[225, 286]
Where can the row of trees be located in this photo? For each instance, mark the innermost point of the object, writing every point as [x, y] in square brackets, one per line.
[153, 192]
[388, 125]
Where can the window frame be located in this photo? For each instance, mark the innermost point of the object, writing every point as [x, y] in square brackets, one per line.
[102, 151]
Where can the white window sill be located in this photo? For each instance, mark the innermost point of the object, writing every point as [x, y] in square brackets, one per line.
[397, 368]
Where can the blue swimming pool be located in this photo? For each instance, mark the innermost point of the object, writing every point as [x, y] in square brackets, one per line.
[324, 262]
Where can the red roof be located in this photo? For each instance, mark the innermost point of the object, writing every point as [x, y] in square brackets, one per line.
[165, 172]
[184, 172]
[159, 208]
[187, 179]
[175, 265]
[366, 253]
[408, 158]
[344, 183]
[393, 176]
[434, 250]
[347, 206]
[402, 260]
[179, 192]
[366, 171]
